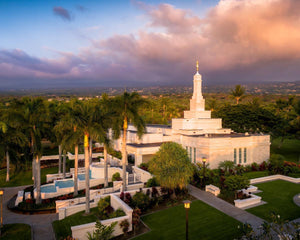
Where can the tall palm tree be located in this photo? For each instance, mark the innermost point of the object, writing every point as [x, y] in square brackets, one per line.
[126, 107]
[67, 126]
[56, 111]
[33, 115]
[11, 139]
[238, 93]
[87, 117]
[106, 104]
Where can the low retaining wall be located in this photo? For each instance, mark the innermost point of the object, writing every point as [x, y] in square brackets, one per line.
[243, 203]
[65, 208]
[80, 232]
[274, 177]
[145, 176]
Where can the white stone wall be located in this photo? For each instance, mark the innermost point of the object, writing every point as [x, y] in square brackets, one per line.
[80, 232]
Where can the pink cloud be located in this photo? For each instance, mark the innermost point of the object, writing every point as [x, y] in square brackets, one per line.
[248, 39]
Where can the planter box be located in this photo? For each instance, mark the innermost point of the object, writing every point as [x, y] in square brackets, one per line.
[244, 203]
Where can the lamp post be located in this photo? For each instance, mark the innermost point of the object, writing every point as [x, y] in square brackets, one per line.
[204, 161]
[187, 205]
[1, 216]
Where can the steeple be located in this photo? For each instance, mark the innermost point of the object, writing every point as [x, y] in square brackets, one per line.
[197, 103]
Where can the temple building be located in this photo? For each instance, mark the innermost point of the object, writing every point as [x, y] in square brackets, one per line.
[201, 135]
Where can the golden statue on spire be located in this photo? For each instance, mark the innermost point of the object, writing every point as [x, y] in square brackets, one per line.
[197, 65]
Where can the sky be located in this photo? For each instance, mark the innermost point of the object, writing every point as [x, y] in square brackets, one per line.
[76, 43]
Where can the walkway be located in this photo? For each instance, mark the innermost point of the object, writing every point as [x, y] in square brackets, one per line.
[226, 208]
[40, 224]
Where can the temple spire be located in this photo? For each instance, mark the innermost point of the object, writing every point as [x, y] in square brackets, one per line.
[197, 66]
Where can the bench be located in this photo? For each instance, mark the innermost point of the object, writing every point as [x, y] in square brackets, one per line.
[212, 189]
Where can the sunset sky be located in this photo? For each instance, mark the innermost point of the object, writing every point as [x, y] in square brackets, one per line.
[72, 43]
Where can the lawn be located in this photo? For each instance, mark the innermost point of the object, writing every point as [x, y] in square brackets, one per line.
[16, 231]
[279, 197]
[290, 149]
[256, 174]
[23, 177]
[205, 222]
[62, 228]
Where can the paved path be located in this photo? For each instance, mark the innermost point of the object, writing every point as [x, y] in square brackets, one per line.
[40, 224]
[226, 208]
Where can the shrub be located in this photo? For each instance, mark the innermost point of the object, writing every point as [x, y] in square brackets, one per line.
[276, 164]
[236, 182]
[125, 226]
[144, 166]
[102, 232]
[136, 215]
[122, 195]
[152, 182]
[128, 199]
[118, 213]
[254, 166]
[141, 201]
[263, 166]
[103, 207]
[116, 177]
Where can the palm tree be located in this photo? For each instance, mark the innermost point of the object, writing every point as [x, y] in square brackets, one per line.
[106, 123]
[87, 118]
[33, 114]
[10, 140]
[238, 93]
[126, 108]
[67, 126]
[226, 166]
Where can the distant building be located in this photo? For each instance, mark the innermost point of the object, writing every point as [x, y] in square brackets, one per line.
[201, 135]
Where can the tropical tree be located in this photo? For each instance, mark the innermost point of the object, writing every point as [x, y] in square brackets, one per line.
[236, 182]
[126, 110]
[227, 166]
[33, 112]
[238, 93]
[10, 139]
[106, 123]
[87, 119]
[171, 166]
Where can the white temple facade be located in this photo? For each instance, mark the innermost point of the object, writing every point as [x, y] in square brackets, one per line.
[201, 135]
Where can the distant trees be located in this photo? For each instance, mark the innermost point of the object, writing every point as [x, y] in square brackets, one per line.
[171, 166]
[246, 118]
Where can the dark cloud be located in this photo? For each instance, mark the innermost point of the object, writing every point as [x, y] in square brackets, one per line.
[62, 12]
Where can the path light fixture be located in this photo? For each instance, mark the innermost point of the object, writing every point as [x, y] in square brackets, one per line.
[204, 161]
[187, 205]
[1, 211]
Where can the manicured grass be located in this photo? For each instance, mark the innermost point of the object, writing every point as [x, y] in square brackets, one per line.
[62, 228]
[279, 197]
[23, 177]
[256, 174]
[290, 149]
[205, 222]
[16, 231]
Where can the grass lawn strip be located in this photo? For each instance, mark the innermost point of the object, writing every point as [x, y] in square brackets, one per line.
[205, 222]
[62, 228]
[289, 149]
[16, 231]
[279, 197]
[24, 177]
[256, 174]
